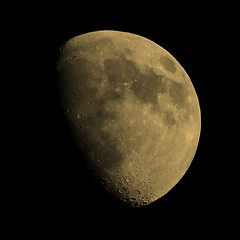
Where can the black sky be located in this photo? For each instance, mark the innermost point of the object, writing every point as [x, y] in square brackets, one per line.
[55, 185]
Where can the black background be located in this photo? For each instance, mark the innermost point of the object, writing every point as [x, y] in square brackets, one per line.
[52, 184]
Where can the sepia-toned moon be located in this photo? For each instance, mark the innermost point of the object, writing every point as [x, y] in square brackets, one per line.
[133, 112]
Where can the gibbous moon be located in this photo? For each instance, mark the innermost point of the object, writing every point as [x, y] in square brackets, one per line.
[133, 112]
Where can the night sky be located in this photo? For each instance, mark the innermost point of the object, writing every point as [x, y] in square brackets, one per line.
[55, 184]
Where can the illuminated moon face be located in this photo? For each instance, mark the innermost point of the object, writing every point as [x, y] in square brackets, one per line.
[133, 111]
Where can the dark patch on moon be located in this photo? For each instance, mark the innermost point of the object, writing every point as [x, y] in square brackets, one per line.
[101, 149]
[107, 150]
[104, 114]
[99, 146]
[146, 87]
[113, 94]
[178, 93]
[120, 70]
[168, 64]
[169, 118]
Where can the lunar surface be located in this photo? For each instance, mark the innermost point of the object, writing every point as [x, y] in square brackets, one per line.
[133, 112]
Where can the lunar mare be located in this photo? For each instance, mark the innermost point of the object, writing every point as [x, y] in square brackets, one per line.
[133, 111]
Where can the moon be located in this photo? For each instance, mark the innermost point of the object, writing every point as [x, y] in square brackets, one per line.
[133, 111]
